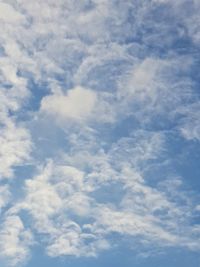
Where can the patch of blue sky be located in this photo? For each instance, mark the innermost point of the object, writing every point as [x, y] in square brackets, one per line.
[48, 139]
[169, 257]
[111, 193]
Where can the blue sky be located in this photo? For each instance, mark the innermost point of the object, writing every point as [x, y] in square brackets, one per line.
[100, 133]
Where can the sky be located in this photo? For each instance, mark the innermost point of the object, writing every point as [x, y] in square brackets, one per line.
[99, 133]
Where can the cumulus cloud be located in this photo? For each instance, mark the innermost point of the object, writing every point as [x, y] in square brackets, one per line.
[77, 104]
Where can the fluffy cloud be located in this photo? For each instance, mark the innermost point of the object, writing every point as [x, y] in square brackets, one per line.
[15, 240]
[78, 104]
[15, 148]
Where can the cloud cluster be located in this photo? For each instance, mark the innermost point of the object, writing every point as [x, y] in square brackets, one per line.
[101, 96]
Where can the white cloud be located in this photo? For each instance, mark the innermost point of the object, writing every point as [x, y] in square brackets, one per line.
[51, 198]
[77, 104]
[14, 240]
[144, 77]
[4, 196]
[9, 14]
[190, 123]
[64, 205]
[51, 192]
[133, 224]
[71, 240]
[15, 146]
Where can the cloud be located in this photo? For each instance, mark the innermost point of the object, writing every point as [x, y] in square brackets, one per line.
[144, 77]
[4, 196]
[56, 191]
[70, 240]
[15, 139]
[78, 104]
[189, 124]
[9, 14]
[15, 145]
[64, 205]
[108, 87]
[132, 224]
[14, 240]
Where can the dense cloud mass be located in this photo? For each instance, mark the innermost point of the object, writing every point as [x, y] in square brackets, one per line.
[99, 127]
